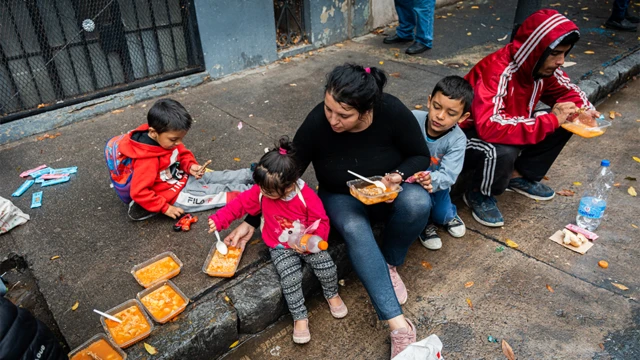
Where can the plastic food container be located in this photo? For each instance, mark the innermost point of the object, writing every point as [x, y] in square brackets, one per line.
[163, 301]
[356, 188]
[101, 347]
[158, 268]
[219, 265]
[587, 132]
[136, 324]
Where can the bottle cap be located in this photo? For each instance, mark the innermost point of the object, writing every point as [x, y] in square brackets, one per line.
[604, 163]
[323, 245]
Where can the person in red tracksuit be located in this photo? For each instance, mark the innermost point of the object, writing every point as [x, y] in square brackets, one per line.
[511, 146]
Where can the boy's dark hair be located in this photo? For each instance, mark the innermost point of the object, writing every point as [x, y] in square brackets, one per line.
[277, 170]
[571, 38]
[356, 86]
[456, 88]
[168, 115]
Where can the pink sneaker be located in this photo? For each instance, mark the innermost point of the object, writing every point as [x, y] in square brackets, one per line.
[401, 338]
[339, 311]
[398, 285]
[302, 336]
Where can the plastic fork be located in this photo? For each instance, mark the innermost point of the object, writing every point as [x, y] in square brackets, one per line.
[377, 183]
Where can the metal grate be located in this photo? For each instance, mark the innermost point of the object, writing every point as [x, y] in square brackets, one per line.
[57, 52]
[290, 29]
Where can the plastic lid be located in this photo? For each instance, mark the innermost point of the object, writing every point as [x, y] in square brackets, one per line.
[604, 163]
[323, 245]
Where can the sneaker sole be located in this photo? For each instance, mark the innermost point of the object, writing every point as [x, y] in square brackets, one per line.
[301, 340]
[431, 248]
[485, 223]
[534, 197]
[458, 235]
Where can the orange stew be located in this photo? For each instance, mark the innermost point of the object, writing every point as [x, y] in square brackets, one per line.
[163, 302]
[224, 264]
[364, 194]
[133, 325]
[99, 350]
[582, 130]
[158, 270]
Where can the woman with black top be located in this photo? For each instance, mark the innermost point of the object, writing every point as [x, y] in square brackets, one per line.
[358, 127]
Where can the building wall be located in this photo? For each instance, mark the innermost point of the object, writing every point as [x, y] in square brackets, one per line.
[236, 34]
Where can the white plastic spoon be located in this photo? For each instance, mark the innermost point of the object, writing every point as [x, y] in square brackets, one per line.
[108, 316]
[220, 245]
[377, 183]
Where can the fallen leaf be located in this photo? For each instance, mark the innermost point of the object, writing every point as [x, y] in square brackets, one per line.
[507, 350]
[545, 177]
[310, 53]
[572, 56]
[549, 288]
[585, 8]
[213, 138]
[150, 349]
[497, 19]
[632, 191]
[565, 192]
[585, 18]
[636, 159]
[226, 298]
[612, 114]
[468, 284]
[601, 72]
[634, 226]
[426, 265]
[117, 111]
[603, 264]
[75, 306]
[418, 107]
[601, 346]
[616, 184]
[511, 244]
[577, 183]
[470, 304]
[55, 257]
[504, 38]
[341, 45]
[554, 5]
[236, 159]
[630, 178]
[287, 59]
[620, 286]
[618, 114]
[589, 52]
[440, 62]
[396, 54]
[475, 7]
[395, 74]
[293, 84]
[381, 63]
[235, 343]
[568, 64]
[240, 125]
[469, 33]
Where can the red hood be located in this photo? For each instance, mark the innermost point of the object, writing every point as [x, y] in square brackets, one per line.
[136, 150]
[535, 35]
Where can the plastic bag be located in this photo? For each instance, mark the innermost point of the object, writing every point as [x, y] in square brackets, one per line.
[10, 216]
[426, 349]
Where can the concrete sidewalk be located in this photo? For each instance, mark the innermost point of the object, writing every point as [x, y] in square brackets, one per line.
[86, 225]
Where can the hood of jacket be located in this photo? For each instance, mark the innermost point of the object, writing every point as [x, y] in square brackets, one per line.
[138, 150]
[539, 31]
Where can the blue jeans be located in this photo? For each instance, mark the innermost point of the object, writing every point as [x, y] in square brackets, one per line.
[619, 10]
[442, 210]
[404, 219]
[418, 15]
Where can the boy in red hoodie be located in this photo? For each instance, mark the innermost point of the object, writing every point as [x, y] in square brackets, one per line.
[162, 166]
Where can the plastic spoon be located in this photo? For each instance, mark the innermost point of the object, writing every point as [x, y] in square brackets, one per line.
[377, 183]
[220, 245]
[108, 316]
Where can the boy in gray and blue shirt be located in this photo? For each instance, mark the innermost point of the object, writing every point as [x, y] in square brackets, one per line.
[449, 104]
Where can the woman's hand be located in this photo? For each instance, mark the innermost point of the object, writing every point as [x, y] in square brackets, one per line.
[424, 179]
[392, 181]
[239, 237]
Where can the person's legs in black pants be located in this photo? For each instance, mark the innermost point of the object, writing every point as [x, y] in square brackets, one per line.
[535, 160]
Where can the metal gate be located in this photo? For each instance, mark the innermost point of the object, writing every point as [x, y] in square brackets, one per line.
[54, 53]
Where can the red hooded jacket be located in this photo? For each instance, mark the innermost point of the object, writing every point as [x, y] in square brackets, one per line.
[157, 177]
[506, 92]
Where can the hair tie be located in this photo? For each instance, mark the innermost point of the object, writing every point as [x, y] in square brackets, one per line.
[367, 70]
[282, 151]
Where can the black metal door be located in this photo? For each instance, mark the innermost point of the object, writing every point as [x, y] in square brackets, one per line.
[57, 52]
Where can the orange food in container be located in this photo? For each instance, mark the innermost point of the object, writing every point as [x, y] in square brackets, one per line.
[593, 128]
[163, 301]
[136, 324]
[369, 194]
[219, 265]
[98, 347]
[158, 268]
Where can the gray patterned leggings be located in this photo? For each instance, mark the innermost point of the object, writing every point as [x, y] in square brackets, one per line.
[289, 267]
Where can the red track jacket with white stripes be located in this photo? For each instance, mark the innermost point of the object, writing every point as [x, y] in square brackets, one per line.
[506, 91]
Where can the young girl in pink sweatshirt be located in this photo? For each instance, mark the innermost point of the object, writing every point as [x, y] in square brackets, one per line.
[290, 210]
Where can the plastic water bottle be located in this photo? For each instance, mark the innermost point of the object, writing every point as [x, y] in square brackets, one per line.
[309, 243]
[594, 199]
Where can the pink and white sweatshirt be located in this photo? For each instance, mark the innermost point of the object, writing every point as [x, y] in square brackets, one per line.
[284, 219]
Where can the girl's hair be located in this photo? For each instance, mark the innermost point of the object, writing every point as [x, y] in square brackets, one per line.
[277, 170]
[356, 86]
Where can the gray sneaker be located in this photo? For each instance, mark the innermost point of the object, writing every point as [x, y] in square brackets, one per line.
[430, 239]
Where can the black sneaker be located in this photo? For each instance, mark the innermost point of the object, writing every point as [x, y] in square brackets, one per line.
[429, 238]
[484, 208]
[395, 39]
[624, 25]
[531, 189]
[631, 18]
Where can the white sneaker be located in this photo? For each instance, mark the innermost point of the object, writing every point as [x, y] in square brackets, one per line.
[430, 239]
[456, 227]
